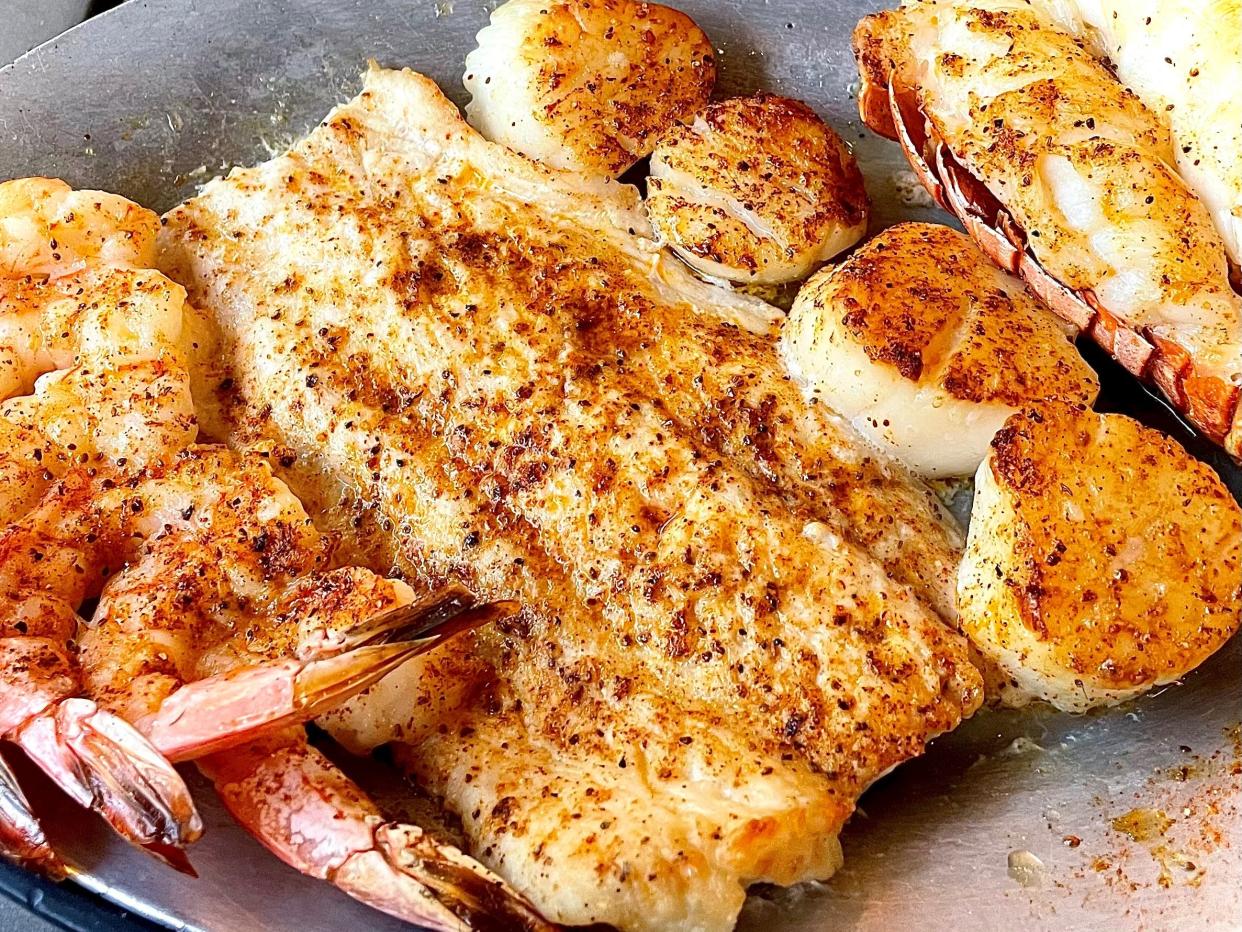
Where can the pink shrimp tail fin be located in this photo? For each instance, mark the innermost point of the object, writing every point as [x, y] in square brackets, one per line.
[223, 711]
[103, 763]
[21, 837]
[314, 818]
[237, 707]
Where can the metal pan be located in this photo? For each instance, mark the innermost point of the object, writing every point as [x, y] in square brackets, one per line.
[158, 95]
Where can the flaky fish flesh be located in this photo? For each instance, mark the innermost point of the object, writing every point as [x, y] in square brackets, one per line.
[475, 368]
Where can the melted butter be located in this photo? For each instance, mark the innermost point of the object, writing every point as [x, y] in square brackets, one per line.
[1025, 868]
[1142, 824]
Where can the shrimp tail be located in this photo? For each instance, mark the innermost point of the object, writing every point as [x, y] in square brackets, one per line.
[238, 706]
[314, 818]
[104, 764]
[96, 758]
[21, 837]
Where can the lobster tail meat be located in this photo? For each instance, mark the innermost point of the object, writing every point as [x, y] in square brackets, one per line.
[1065, 178]
[1181, 58]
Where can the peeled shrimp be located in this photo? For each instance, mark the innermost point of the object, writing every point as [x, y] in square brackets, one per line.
[212, 550]
[95, 355]
[47, 229]
[81, 428]
[120, 419]
[123, 405]
[50, 562]
[102, 316]
[209, 546]
[224, 630]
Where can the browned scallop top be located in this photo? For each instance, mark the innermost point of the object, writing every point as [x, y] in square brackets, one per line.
[767, 137]
[619, 70]
[770, 157]
[925, 300]
[1127, 549]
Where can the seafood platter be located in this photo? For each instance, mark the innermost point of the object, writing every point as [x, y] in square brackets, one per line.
[565, 463]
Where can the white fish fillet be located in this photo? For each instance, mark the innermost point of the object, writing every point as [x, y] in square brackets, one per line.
[479, 368]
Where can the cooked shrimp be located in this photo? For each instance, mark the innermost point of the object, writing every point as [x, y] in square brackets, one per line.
[211, 547]
[314, 818]
[79, 427]
[120, 419]
[49, 563]
[927, 348]
[98, 315]
[47, 229]
[224, 629]
[1063, 176]
[29, 464]
[102, 423]
[757, 190]
[586, 86]
[110, 400]
[209, 544]
[96, 357]
[1103, 560]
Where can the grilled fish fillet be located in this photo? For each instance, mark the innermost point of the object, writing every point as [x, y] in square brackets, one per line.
[480, 368]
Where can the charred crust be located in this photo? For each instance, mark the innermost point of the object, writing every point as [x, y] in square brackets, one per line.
[1011, 464]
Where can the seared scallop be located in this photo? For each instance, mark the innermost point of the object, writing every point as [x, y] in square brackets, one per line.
[1102, 559]
[757, 190]
[927, 347]
[587, 85]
